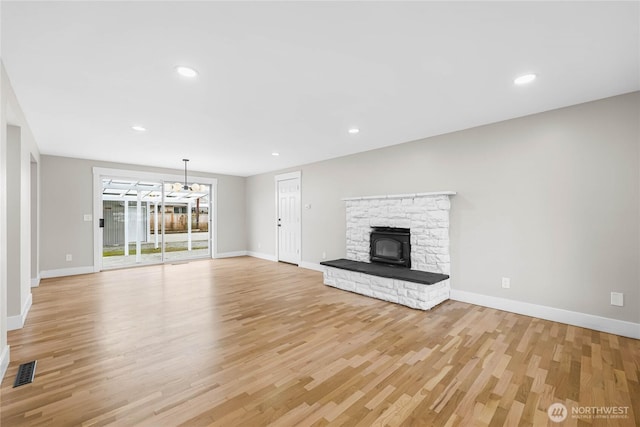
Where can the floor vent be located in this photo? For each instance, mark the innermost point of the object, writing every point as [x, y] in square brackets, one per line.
[25, 375]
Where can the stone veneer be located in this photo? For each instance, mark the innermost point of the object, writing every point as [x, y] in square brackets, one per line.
[427, 217]
[425, 214]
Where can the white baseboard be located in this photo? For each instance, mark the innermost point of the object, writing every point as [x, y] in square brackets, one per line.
[312, 266]
[260, 255]
[17, 322]
[73, 271]
[5, 357]
[35, 282]
[302, 264]
[603, 324]
[231, 254]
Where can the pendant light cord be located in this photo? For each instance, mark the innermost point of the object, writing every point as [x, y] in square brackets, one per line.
[186, 187]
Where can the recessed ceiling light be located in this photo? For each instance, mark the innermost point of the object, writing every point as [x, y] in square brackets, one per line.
[353, 131]
[275, 154]
[139, 128]
[186, 71]
[523, 80]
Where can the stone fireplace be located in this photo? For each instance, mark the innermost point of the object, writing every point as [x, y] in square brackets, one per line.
[426, 216]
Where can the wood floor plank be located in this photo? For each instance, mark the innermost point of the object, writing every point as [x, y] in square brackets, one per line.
[248, 342]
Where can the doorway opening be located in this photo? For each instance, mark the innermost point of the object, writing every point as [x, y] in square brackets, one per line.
[35, 201]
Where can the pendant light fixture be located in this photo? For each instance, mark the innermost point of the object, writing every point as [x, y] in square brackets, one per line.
[184, 187]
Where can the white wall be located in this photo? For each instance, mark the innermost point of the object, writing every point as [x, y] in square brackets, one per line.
[550, 200]
[4, 347]
[19, 225]
[15, 295]
[14, 192]
[67, 194]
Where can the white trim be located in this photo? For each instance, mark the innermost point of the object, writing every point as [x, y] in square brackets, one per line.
[288, 175]
[402, 196]
[583, 320]
[128, 173]
[312, 266]
[97, 215]
[303, 264]
[35, 281]
[17, 322]
[99, 172]
[260, 255]
[5, 358]
[213, 218]
[61, 272]
[231, 254]
[283, 177]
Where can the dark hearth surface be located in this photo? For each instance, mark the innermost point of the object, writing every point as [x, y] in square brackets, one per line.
[381, 270]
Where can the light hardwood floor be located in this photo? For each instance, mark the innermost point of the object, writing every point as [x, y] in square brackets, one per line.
[249, 342]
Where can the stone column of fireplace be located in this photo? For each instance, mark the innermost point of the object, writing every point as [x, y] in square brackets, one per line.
[425, 214]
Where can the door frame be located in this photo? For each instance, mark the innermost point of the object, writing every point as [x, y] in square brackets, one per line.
[277, 179]
[99, 173]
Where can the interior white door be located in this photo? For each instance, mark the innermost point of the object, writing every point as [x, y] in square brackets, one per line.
[289, 220]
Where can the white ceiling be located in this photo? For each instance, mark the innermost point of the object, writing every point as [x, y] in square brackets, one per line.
[293, 77]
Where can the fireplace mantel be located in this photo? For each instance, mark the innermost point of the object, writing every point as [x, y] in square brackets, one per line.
[402, 196]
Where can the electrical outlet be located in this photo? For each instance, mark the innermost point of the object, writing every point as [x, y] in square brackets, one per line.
[69, 257]
[324, 255]
[617, 298]
[88, 217]
[506, 283]
[259, 245]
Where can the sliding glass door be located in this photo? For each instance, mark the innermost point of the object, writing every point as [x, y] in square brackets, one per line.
[186, 223]
[150, 222]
